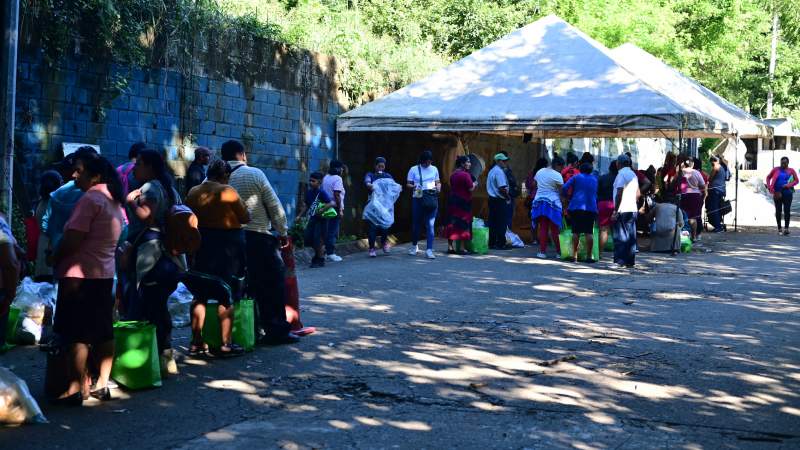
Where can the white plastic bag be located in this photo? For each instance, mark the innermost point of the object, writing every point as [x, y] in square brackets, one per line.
[179, 305]
[514, 239]
[29, 294]
[17, 405]
[380, 208]
[477, 222]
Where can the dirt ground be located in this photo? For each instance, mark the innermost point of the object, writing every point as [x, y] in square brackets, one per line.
[494, 351]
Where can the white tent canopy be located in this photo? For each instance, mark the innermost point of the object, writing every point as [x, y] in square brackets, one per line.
[548, 79]
[686, 91]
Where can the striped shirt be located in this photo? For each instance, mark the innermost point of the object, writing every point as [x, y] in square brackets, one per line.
[262, 202]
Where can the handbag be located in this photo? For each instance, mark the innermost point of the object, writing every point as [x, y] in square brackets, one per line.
[430, 197]
[725, 207]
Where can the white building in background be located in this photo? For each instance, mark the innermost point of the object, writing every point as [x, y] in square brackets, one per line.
[645, 151]
[764, 154]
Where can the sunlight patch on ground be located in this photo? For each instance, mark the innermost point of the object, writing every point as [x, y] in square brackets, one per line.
[232, 385]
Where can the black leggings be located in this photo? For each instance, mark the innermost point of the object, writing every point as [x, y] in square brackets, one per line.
[785, 203]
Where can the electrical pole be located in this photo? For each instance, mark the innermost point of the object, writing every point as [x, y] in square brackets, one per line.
[8, 84]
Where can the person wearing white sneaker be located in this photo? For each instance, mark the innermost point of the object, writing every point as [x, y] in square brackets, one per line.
[412, 251]
[429, 254]
[541, 255]
[423, 180]
[333, 185]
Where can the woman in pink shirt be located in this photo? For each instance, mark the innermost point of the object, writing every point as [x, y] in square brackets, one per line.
[84, 266]
[692, 187]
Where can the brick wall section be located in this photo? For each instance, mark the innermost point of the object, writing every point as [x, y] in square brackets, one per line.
[288, 132]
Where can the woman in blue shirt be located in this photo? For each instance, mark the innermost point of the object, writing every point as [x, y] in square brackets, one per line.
[582, 209]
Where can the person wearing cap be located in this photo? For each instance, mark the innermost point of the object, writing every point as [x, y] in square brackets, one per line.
[379, 173]
[423, 180]
[513, 190]
[626, 196]
[497, 188]
[196, 172]
[333, 185]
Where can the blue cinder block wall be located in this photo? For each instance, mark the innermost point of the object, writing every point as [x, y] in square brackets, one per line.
[288, 126]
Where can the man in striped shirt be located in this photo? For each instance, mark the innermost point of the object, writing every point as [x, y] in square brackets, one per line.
[265, 269]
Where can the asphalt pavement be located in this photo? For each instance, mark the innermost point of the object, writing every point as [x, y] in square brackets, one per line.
[494, 351]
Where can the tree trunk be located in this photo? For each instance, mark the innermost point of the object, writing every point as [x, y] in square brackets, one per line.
[773, 56]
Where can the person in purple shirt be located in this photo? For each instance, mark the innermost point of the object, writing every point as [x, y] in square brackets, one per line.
[582, 209]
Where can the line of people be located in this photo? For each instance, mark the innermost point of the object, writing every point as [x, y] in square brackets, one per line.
[130, 224]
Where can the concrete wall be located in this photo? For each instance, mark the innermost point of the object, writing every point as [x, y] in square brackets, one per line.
[285, 118]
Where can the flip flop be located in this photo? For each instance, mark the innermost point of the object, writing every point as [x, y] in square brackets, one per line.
[305, 331]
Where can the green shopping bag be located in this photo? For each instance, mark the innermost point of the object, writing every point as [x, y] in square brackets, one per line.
[11, 329]
[243, 332]
[14, 314]
[565, 241]
[244, 324]
[480, 241]
[686, 244]
[136, 363]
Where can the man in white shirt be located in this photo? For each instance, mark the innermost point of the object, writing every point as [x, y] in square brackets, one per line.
[626, 195]
[497, 188]
[265, 269]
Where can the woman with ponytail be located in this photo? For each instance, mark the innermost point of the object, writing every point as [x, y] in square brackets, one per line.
[151, 272]
[84, 266]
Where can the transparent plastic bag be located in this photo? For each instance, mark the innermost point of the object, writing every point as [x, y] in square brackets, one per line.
[380, 208]
[17, 405]
[514, 240]
[29, 294]
[179, 304]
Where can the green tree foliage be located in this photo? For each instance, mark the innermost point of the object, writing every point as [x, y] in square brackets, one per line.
[385, 44]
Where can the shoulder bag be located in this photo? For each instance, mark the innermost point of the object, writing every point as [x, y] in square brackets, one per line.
[430, 197]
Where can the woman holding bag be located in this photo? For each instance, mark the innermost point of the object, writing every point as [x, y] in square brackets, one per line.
[375, 230]
[423, 180]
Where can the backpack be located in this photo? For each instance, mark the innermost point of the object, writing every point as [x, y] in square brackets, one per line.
[182, 234]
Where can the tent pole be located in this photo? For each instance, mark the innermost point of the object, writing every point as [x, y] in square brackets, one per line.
[736, 188]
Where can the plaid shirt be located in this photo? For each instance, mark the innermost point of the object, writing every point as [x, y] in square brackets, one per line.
[262, 202]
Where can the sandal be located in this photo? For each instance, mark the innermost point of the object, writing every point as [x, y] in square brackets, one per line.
[198, 349]
[228, 350]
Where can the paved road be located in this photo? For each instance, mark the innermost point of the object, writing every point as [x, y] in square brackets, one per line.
[497, 351]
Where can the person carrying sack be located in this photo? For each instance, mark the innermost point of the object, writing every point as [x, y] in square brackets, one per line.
[423, 180]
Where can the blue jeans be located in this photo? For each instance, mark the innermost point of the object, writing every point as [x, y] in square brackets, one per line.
[714, 203]
[625, 239]
[374, 231]
[418, 216]
[315, 230]
[331, 234]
